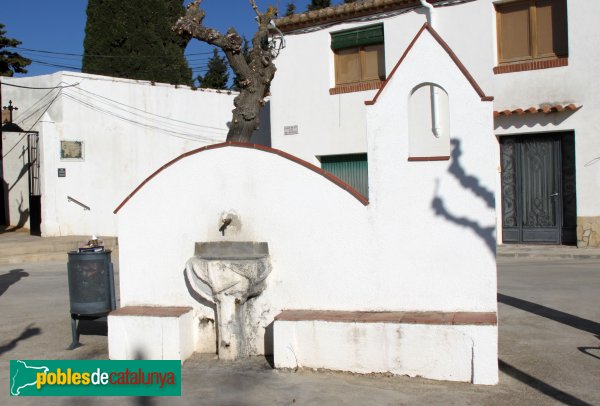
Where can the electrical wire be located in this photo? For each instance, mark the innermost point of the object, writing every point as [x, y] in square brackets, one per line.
[147, 112]
[177, 134]
[35, 122]
[55, 65]
[39, 88]
[105, 56]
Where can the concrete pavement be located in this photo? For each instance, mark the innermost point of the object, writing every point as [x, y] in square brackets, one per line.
[549, 349]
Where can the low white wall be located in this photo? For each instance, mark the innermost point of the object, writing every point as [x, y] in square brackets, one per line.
[453, 353]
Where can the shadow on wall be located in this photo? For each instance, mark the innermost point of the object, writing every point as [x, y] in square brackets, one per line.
[29, 332]
[23, 218]
[24, 169]
[471, 184]
[10, 278]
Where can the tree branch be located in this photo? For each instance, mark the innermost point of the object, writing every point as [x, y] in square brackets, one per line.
[255, 7]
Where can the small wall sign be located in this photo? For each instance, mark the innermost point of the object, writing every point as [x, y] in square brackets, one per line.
[62, 172]
[290, 129]
[71, 150]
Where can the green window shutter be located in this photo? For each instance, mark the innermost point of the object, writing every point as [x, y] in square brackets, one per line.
[352, 169]
[370, 35]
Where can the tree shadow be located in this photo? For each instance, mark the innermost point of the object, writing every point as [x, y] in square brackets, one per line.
[540, 385]
[29, 332]
[472, 184]
[587, 350]
[23, 218]
[469, 182]
[11, 278]
[567, 319]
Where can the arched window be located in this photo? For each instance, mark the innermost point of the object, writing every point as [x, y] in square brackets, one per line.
[429, 122]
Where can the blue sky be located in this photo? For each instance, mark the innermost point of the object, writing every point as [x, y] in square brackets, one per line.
[59, 26]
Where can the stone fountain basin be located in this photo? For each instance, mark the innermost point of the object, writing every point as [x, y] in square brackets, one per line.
[236, 269]
[231, 250]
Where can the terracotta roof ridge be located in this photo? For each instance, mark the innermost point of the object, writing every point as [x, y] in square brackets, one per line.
[545, 108]
[346, 11]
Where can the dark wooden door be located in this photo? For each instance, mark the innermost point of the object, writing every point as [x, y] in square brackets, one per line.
[534, 207]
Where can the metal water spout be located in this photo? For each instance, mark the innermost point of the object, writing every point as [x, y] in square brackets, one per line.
[225, 224]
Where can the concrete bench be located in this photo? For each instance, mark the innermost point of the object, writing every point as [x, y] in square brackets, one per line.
[455, 346]
[146, 332]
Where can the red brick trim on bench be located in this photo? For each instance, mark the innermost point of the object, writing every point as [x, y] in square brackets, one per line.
[444, 318]
[531, 65]
[151, 311]
[334, 179]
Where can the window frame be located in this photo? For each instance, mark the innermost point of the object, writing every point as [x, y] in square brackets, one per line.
[356, 41]
[533, 33]
[362, 62]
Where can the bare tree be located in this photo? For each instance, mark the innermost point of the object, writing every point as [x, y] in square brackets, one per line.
[255, 73]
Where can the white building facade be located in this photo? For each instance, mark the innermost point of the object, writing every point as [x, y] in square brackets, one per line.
[534, 57]
[98, 138]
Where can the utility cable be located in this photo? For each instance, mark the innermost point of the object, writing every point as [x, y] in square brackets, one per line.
[39, 88]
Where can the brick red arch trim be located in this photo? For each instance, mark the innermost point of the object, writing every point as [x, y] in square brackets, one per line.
[334, 179]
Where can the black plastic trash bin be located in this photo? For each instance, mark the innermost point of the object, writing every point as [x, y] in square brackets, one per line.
[91, 288]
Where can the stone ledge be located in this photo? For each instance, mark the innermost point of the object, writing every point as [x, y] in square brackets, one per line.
[444, 318]
[151, 311]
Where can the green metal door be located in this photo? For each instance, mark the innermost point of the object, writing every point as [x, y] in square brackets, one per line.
[352, 169]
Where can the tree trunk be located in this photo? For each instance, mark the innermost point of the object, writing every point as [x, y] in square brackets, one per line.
[255, 74]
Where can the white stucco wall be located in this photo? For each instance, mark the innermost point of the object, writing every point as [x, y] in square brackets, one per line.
[470, 31]
[128, 127]
[404, 251]
[423, 204]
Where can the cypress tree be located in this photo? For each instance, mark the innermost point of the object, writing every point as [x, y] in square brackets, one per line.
[10, 62]
[217, 75]
[290, 9]
[133, 39]
[318, 4]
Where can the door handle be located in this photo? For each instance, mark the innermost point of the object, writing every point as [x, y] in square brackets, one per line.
[554, 194]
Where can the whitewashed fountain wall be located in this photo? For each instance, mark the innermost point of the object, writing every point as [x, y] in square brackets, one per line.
[425, 242]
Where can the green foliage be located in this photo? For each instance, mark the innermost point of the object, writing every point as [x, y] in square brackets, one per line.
[217, 75]
[318, 4]
[133, 39]
[290, 9]
[10, 62]
[246, 52]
